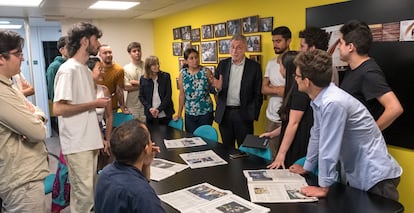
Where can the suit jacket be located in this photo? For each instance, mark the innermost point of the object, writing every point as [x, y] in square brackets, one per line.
[251, 97]
[146, 90]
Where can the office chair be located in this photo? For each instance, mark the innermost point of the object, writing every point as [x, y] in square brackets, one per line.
[120, 118]
[263, 153]
[206, 131]
[178, 124]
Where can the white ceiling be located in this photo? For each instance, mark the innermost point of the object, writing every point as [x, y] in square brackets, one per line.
[56, 10]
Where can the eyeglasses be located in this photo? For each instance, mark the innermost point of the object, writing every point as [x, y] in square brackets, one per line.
[297, 76]
[101, 69]
[18, 53]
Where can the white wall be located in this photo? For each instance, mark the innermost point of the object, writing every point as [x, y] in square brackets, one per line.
[118, 33]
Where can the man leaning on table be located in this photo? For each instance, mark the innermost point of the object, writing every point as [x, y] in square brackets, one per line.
[123, 186]
[343, 131]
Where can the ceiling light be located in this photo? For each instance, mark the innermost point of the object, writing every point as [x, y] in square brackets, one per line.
[4, 22]
[113, 5]
[10, 26]
[20, 3]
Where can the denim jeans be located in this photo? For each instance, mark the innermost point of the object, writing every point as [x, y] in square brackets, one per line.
[192, 122]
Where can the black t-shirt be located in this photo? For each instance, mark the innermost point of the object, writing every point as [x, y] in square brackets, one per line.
[298, 101]
[367, 83]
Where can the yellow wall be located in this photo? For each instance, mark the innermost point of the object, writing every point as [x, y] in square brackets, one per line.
[291, 14]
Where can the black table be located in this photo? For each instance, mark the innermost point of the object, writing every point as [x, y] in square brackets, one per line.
[340, 198]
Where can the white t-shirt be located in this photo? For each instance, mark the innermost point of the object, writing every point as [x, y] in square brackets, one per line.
[276, 79]
[79, 132]
[132, 72]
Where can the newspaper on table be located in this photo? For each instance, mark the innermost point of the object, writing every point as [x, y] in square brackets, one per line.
[276, 186]
[161, 169]
[184, 142]
[202, 159]
[208, 198]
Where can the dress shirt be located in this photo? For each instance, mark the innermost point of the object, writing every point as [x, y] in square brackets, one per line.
[236, 74]
[345, 130]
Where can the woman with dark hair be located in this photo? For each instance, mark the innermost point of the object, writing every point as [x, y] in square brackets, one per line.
[194, 83]
[155, 93]
[296, 116]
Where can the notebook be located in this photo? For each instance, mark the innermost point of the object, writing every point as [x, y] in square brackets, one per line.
[256, 142]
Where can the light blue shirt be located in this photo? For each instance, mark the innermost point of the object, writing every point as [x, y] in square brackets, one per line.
[345, 130]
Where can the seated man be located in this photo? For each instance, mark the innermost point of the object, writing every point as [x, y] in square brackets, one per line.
[123, 185]
[343, 131]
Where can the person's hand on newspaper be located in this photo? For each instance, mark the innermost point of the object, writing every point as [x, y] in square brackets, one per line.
[314, 191]
[278, 162]
[296, 168]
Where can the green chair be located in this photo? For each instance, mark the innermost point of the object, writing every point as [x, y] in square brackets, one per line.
[178, 124]
[120, 118]
[206, 131]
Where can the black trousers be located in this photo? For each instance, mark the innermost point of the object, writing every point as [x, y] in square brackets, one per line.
[233, 127]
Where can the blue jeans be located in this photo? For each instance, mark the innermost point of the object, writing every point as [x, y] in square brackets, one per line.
[192, 121]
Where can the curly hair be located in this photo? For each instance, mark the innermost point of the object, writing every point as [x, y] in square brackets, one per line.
[315, 37]
[78, 31]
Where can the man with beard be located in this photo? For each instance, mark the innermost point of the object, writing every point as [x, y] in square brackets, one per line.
[75, 103]
[113, 78]
[273, 83]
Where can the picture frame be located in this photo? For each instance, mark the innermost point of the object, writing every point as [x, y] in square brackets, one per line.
[266, 24]
[177, 49]
[186, 45]
[221, 58]
[207, 31]
[224, 46]
[186, 33]
[196, 47]
[250, 24]
[195, 35]
[177, 33]
[254, 43]
[212, 68]
[256, 58]
[220, 30]
[181, 62]
[209, 52]
[233, 27]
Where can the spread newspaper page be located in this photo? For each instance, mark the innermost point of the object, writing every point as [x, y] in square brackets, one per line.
[161, 169]
[276, 186]
[202, 159]
[184, 142]
[206, 198]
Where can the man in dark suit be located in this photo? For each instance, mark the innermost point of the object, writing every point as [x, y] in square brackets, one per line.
[238, 91]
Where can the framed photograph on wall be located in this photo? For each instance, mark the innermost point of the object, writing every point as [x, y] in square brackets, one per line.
[196, 47]
[207, 31]
[220, 30]
[181, 63]
[177, 49]
[186, 33]
[177, 33]
[224, 46]
[195, 35]
[254, 43]
[222, 58]
[251, 24]
[186, 45]
[266, 24]
[212, 68]
[256, 58]
[233, 27]
[209, 52]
